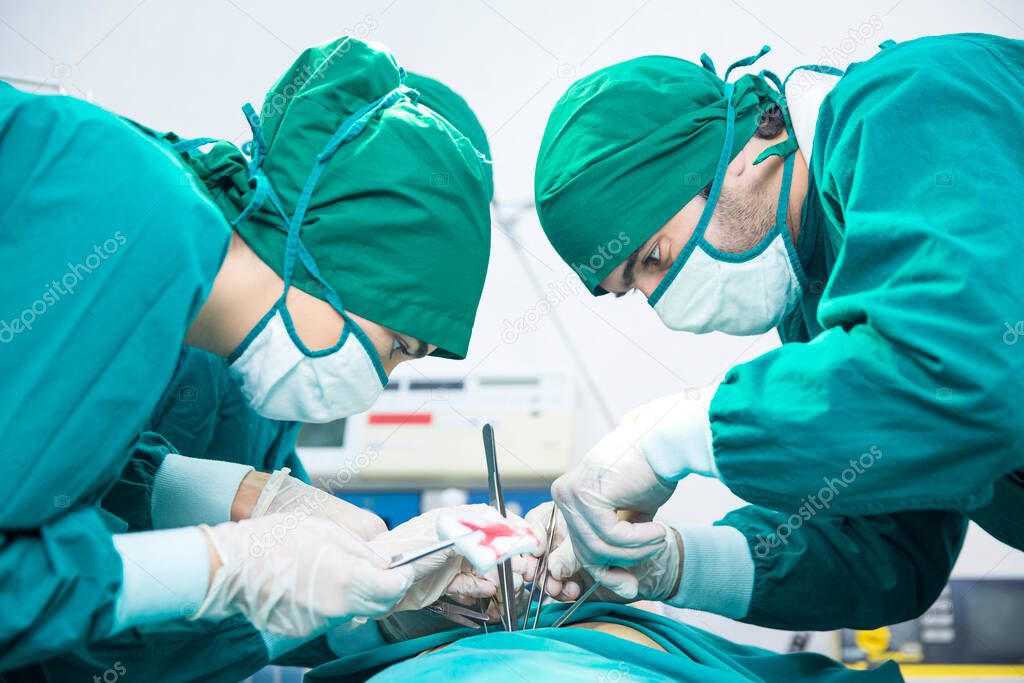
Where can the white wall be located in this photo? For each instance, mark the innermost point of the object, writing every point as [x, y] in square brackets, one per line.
[189, 65]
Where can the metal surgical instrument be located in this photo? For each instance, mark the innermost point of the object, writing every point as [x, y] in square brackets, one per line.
[497, 497]
[575, 605]
[542, 573]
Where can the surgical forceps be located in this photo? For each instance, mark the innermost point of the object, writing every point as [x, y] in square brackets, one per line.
[542, 573]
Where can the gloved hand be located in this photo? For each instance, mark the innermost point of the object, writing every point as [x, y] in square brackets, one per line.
[538, 519]
[284, 493]
[656, 578]
[610, 497]
[295, 577]
[445, 572]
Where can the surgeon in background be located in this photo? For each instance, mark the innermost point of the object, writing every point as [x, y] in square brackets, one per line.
[873, 219]
[340, 143]
[204, 414]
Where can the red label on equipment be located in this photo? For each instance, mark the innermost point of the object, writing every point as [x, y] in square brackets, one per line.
[400, 418]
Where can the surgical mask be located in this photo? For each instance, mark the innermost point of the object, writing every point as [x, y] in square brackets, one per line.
[283, 380]
[280, 377]
[749, 293]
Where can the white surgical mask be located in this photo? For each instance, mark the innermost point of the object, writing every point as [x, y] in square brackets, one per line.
[740, 297]
[284, 381]
[708, 290]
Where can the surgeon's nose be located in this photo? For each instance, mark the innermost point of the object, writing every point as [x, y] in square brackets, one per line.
[648, 282]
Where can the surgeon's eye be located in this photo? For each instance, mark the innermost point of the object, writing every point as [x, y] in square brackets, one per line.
[653, 257]
[398, 345]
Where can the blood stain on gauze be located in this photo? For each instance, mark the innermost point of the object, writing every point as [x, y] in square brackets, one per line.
[485, 538]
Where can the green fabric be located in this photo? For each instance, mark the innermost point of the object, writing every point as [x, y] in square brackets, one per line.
[90, 205]
[891, 567]
[909, 398]
[1003, 516]
[568, 654]
[399, 223]
[178, 652]
[205, 415]
[450, 105]
[626, 148]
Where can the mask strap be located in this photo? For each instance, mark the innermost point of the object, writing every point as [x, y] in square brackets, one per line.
[347, 131]
[709, 207]
[787, 181]
[257, 150]
[747, 61]
[186, 146]
[789, 145]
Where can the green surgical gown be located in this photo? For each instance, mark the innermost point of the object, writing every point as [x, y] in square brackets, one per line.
[108, 251]
[569, 654]
[202, 414]
[896, 348]
[897, 390]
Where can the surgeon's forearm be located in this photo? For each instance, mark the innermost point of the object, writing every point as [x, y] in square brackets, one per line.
[248, 494]
[191, 491]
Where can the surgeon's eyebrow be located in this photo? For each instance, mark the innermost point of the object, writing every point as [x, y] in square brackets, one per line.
[628, 276]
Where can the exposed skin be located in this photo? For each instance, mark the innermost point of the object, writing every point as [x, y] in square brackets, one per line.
[243, 291]
[744, 213]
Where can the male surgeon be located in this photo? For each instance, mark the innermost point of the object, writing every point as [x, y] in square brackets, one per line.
[872, 218]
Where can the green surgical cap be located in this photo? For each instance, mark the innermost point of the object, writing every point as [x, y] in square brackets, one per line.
[626, 148]
[450, 105]
[399, 223]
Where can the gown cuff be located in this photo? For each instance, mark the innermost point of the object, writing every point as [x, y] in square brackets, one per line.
[351, 637]
[718, 571]
[193, 491]
[166, 574]
[355, 636]
[278, 645]
[679, 441]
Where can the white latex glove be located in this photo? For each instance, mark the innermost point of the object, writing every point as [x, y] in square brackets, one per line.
[610, 497]
[655, 579]
[295, 577]
[538, 519]
[443, 573]
[284, 493]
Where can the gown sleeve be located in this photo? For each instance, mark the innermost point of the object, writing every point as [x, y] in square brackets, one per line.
[910, 398]
[847, 572]
[60, 585]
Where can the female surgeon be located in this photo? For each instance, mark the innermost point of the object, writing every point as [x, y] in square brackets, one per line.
[204, 414]
[116, 256]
